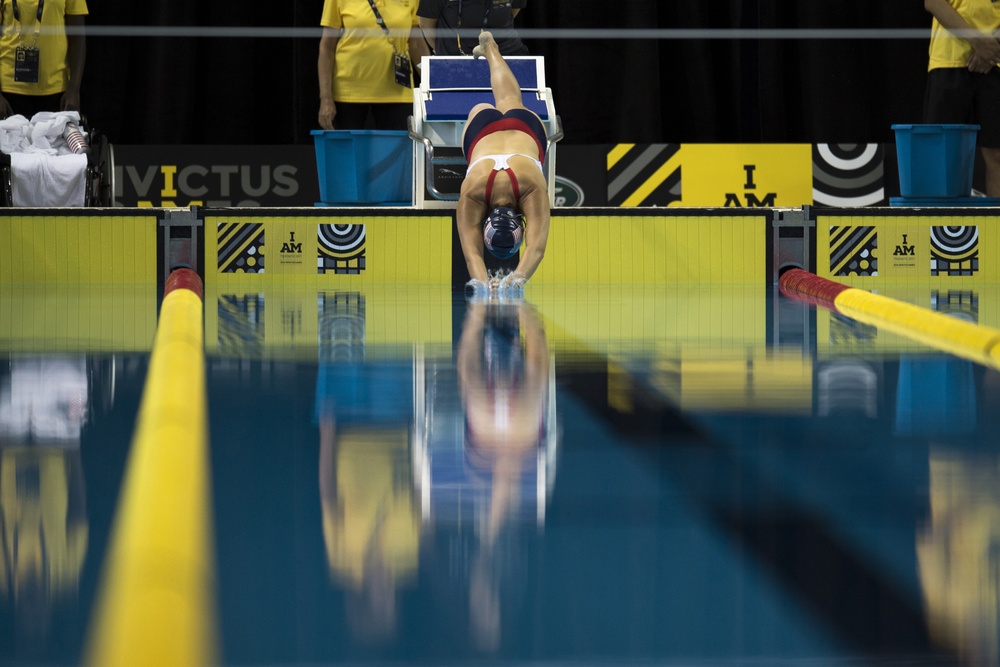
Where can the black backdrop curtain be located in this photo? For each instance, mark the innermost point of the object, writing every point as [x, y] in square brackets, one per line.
[192, 89]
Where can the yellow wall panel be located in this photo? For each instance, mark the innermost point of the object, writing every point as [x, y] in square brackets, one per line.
[81, 247]
[652, 249]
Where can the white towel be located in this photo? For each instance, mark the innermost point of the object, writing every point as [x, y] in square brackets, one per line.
[47, 129]
[15, 134]
[48, 180]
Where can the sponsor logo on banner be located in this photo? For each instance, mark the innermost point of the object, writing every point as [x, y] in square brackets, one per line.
[568, 193]
[215, 176]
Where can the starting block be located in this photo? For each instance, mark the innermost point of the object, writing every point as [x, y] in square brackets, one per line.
[450, 86]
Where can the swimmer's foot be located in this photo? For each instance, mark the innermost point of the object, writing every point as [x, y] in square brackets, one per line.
[485, 39]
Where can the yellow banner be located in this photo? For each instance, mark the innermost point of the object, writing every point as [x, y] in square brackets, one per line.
[746, 175]
[331, 251]
[866, 250]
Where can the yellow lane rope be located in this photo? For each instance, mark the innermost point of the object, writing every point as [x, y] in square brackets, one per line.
[974, 342]
[156, 603]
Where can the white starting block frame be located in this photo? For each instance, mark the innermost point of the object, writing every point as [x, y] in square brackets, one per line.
[450, 86]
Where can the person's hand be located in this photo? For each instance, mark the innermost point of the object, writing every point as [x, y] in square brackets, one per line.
[478, 287]
[986, 47]
[513, 282]
[980, 65]
[327, 112]
[6, 110]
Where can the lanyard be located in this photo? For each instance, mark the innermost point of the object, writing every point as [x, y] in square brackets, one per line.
[38, 17]
[381, 24]
[486, 21]
[378, 17]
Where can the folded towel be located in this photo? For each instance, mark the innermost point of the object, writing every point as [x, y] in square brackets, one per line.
[48, 180]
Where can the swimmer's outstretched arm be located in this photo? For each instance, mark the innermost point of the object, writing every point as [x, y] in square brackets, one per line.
[469, 216]
[535, 206]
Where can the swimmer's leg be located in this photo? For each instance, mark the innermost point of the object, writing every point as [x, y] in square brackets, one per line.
[506, 89]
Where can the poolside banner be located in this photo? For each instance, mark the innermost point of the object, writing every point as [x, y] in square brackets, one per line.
[330, 247]
[745, 175]
[626, 175]
[217, 176]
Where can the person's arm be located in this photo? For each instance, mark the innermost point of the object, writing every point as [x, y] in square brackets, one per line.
[985, 47]
[326, 66]
[469, 216]
[418, 46]
[76, 56]
[535, 206]
[428, 31]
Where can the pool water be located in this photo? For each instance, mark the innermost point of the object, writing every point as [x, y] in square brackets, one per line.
[688, 475]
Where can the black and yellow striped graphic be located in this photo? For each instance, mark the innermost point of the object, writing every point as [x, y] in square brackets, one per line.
[853, 251]
[644, 175]
[241, 247]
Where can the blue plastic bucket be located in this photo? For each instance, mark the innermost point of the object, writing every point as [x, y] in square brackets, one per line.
[364, 167]
[936, 160]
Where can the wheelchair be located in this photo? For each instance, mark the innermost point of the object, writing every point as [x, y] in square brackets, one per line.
[99, 174]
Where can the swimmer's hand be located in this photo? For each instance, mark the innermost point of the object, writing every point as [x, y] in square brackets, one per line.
[477, 287]
[513, 282]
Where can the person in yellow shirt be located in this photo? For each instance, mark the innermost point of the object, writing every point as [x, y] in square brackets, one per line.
[42, 54]
[367, 53]
[963, 79]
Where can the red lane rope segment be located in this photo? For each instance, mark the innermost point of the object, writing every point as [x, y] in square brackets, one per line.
[809, 287]
[184, 279]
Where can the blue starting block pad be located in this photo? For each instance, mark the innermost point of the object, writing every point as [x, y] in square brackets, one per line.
[956, 202]
[455, 105]
[465, 73]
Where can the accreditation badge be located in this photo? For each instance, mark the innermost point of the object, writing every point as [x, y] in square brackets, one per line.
[401, 68]
[26, 64]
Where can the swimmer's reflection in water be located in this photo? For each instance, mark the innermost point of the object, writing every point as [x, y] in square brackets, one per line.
[503, 376]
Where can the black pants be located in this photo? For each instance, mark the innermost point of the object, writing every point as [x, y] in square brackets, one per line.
[29, 105]
[355, 116]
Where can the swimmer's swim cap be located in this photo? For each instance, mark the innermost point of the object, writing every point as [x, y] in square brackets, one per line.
[503, 231]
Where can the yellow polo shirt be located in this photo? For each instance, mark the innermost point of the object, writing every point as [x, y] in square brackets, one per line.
[947, 50]
[363, 67]
[53, 69]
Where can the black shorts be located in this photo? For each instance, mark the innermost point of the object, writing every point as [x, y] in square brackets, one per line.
[488, 121]
[955, 95]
